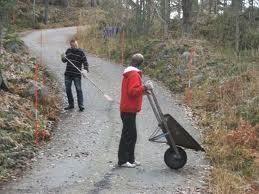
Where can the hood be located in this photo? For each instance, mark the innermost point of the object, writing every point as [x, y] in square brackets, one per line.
[129, 70]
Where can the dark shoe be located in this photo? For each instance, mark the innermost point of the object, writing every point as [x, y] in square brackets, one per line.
[69, 108]
[81, 109]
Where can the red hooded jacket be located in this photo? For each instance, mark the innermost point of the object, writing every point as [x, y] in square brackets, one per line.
[132, 90]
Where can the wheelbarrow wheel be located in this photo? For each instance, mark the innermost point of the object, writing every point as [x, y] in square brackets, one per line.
[172, 160]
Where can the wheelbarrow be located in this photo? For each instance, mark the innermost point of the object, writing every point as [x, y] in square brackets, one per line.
[173, 134]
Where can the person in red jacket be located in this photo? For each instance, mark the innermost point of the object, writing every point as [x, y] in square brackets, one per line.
[132, 92]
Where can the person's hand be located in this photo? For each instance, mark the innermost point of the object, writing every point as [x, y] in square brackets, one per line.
[63, 56]
[87, 69]
[149, 85]
[146, 92]
[84, 73]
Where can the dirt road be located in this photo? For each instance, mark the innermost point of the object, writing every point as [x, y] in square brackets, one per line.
[81, 156]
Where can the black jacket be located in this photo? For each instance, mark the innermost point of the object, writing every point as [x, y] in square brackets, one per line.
[78, 58]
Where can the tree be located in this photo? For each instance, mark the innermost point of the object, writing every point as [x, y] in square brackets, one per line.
[187, 16]
[95, 3]
[65, 3]
[165, 6]
[46, 2]
[34, 12]
[236, 9]
[251, 10]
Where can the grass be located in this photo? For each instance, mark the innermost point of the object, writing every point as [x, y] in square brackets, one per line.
[226, 182]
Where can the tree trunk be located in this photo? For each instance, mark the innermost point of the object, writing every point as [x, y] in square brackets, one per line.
[34, 14]
[148, 16]
[163, 8]
[225, 3]
[179, 8]
[65, 3]
[236, 5]
[210, 5]
[216, 7]
[236, 9]
[94, 3]
[3, 82]
[187, 12]
[168, 11]
[201, 7]
[1, 38]
[251, 11]
[165, 15]
[46, 16]
[2, 20]
[195, 8]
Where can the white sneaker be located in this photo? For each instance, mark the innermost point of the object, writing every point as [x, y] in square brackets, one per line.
[137, 163]
[128, 165]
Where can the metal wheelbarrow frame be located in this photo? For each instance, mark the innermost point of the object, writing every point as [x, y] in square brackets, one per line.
[175, 135]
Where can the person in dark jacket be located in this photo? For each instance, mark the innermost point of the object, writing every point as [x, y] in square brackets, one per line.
[72, 74]
[132, 92]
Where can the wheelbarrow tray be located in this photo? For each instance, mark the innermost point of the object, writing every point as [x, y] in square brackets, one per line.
[180, 135]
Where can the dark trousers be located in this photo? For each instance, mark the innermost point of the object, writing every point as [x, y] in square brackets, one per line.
[128, 138]
[77, 83]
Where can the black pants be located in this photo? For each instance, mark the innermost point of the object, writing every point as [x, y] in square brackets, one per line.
[128, 138]
[68, 84]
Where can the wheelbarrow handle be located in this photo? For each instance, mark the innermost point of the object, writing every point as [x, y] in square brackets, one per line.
[157, 105]
[160, 118]
[153, 106]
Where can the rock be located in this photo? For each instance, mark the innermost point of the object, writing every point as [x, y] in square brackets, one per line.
[181, 70]
[85, 153]
[12, 47]
[30, 90]
[7, 142]
[21, 155]
[3, 82]
[1, 79]
[25, 68]
[152, 65]
[10, 163]
[198, 79]
[169, 67]
[2, 159]
[185, 57]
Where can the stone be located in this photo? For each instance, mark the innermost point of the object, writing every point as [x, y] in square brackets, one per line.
[3, 82]
[7, 141]
[30, 90]
[181, 70]
[185, 57]
[198, 79]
